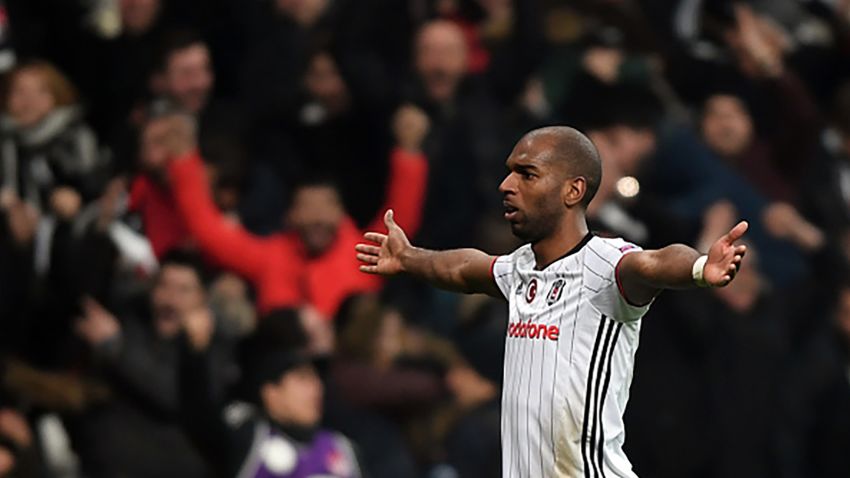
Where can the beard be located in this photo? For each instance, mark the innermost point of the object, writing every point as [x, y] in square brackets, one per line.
[532, 228]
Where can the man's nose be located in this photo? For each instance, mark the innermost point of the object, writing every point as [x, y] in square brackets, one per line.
[508, 184]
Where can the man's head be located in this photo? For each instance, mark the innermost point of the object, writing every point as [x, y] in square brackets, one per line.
[185, 71]
[552, 171]
[291, 390]
[138, 16]
[325, 83]
[303, 12]
[179, 289]
[727, 126]
[441, 58]
[315, 213]
[35, 89]
[166, 132]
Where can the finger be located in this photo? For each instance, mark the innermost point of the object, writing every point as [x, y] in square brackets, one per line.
[367, 249]
[369, 269]
[375, 237]
[737, 232]
[367, 258]
[388, 219]
[741, 250]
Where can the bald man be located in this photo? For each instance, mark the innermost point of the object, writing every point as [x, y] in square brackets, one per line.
[575, 303]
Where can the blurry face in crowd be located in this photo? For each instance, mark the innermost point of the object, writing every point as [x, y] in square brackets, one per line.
[139, 15]
[325, 84]
[842, 315]
[627, 147]
[727, 127]
[178, 290]
[296, 398]
[441, 59]
[315, 215]
[30, 99]
[305, 12]
[532, 190]
[188, 77]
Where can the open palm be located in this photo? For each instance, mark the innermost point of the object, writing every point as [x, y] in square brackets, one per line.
[385, 258]
[724, 257]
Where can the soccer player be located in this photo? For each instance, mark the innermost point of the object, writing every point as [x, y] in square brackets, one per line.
[575, 304]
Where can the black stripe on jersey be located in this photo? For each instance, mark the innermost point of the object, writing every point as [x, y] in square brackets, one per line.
[591, 249]
[588, 393]
[597, 466]
[604, 394]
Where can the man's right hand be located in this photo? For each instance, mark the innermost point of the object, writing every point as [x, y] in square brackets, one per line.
[180, 136]
[97, 325]
[386, 257]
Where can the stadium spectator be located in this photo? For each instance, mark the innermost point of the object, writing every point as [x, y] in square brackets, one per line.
[704, 113]
[312, 264]
[469, 136]
[138, 357]
[51, 158]
[281, 435]
[810, 441]
[771, 160]
[385, 366]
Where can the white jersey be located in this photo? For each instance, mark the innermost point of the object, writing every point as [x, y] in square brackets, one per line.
[569, 357]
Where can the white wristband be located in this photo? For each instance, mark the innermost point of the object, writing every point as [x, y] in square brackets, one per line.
[697, 271]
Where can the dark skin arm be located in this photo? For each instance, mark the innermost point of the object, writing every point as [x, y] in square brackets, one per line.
[642, 275]
[458, 270]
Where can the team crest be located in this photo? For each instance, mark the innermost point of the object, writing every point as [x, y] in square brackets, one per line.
[555, 292]
[531, 292]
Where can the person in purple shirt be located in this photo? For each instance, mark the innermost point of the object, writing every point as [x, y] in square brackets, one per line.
[279, 437]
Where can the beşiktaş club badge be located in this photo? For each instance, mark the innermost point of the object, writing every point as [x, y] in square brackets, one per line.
[555, 292]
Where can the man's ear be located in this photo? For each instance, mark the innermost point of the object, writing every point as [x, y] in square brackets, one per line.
[573, 191]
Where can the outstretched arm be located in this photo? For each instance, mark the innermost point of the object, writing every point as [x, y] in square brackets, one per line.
[459, 270]
[642, 275]
[228, 244]
[408, 179]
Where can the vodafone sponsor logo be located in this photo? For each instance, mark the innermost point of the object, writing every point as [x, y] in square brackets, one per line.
[528, 330]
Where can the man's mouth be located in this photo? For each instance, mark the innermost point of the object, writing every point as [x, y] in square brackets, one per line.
[510, 211]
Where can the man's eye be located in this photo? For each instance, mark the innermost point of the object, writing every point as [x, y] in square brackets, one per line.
[528, 176]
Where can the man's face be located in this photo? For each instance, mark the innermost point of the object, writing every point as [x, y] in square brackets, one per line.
[632, 146]
[138, 15]
[325, 84]
[178, 290]
[441, 59]
[30, 99]
[296, 398]
[189, 77]
[727, 127]
[315, 215]
[532, 191]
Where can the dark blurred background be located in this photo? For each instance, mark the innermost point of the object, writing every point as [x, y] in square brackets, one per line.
[170, 313]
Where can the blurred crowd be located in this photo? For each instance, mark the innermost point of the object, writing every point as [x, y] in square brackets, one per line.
[182, 183]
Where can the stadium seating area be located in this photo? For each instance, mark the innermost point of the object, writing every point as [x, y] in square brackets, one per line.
[182, 183]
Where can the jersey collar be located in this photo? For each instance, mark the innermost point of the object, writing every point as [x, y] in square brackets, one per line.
[587, 237]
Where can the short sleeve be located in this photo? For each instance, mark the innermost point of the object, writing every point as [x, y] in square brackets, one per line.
[503, 271]
[601, 263]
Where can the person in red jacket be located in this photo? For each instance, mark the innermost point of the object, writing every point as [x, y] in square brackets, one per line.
[311, 263]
